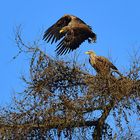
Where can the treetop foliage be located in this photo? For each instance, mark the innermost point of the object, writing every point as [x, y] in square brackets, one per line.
[61, 97]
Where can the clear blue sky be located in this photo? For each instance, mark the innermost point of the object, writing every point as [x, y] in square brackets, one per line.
[116, 23]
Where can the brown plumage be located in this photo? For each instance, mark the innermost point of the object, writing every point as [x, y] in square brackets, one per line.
[101, 64]
[72, 31]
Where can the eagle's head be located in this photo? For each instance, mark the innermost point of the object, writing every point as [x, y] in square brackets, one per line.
[64, 29]
[90, 53]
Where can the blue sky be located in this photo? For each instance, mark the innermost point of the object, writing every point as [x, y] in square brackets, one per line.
[116, 23]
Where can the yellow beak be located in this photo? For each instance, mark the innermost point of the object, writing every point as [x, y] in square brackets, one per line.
[86, 52]
[61, 31]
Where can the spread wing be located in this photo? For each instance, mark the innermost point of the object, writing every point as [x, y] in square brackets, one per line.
[78, 20]
[52, 33]
[73, 38]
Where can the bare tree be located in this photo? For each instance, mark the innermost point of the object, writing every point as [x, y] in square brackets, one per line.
[61, 99]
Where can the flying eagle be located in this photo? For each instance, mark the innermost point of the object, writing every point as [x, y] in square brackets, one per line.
[101, 64]
[72, 31]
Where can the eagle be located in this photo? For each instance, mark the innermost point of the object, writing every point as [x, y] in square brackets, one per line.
[71, 31]
[101, 64]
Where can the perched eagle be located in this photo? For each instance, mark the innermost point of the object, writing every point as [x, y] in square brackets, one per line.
[101, 64]
[72, 31]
